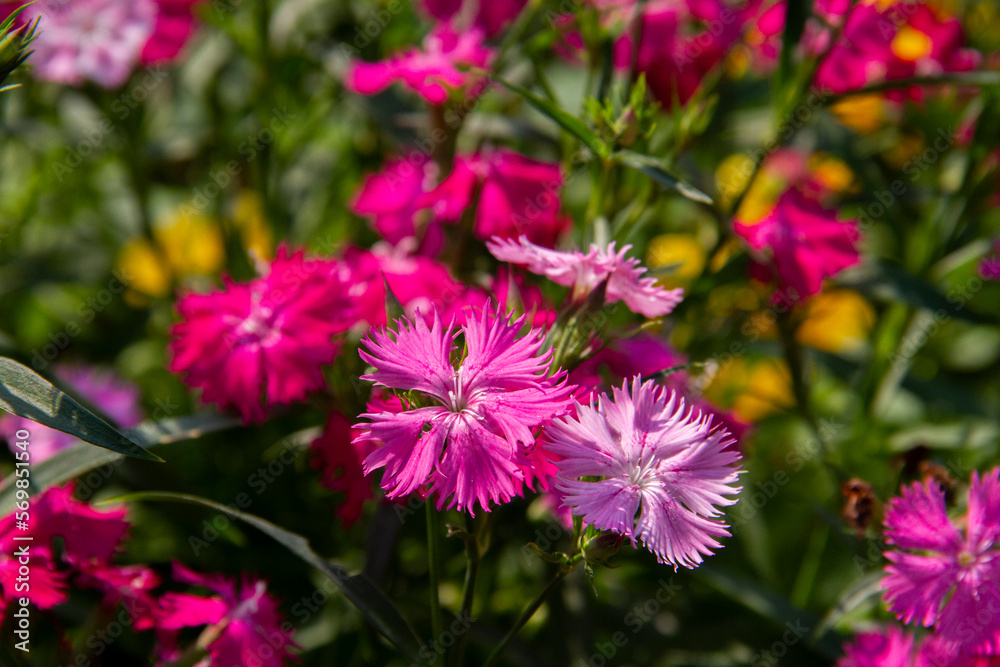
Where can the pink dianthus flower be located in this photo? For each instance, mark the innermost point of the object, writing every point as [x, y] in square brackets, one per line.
[663, 470]
[259, 344]
[471, 429]
[808, 244]
[248, 627]
[104, 40]
[585, 272]
[432, 72]
[942, 575]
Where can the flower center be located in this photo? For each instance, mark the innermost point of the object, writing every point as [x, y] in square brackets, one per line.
[966, 558]
[457, 400]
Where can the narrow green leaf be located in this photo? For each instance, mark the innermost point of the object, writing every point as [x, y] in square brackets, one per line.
[363, 594]
[885, 281]
[83, 458]
[27, 394]
[770, 605]
[563, 118]
[650, 167]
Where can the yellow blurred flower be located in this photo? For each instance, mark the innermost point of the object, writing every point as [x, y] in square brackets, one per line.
[248, 217]
[836, 321]
[862, 113]
[752, 389]
[185, 244]
[683, 251]
[833, 173]
[911, 45]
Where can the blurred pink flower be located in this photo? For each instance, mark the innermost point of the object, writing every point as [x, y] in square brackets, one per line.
[249, 629]
[663, 470]
[645, 355]
[892, 647]
[129, 585]
[116, 398]
[942, 575]
[585, 272]
[472, 427]
[807, 243]
[990, 266]
[338, 456]
[491, 16]
[516, 196]
[88, 538]
[681, 40]
[513, 195]
[175, 23]
[255, 345]
[419, 283]
[104, 40]
[397, 200]
[431, 72]
[884, 41]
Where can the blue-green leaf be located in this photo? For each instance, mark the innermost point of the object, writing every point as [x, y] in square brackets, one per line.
[25, 393]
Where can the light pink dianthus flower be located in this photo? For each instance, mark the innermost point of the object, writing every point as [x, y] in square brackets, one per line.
[471, 428]
[585, 272]
[663, 470]
[263, 343]
[941, 575]
[104, 40]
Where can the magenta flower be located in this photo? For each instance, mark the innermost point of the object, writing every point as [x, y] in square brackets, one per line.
[338, 456]
[880, 42]
[663, 470]
[516, 195]
[104, 40]
[419, 283]
[513, 195]
[585, 272]
[432, 72]
[259, 344]
[990, 266]
[397, 200]
[88, 538]
[681, 41]
[116, 398]
[468, 429]
[248, 627]
[808, 244]
[941, 575]
[892, 647]
[490, 16]
[888, 648]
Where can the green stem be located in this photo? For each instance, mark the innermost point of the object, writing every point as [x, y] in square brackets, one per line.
[795, 358]
[434, 569]
[957, 78]
[473, 557]
[528, 612]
